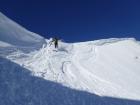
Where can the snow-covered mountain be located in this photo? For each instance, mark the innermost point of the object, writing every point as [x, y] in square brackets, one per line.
[14, 34]
[101, 72]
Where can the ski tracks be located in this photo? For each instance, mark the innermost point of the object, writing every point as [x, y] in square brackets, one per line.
[87, 75]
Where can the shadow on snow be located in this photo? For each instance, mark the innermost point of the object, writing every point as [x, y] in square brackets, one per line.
[19, 87]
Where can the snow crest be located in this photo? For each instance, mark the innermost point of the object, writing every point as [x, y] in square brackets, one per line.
[14, 34]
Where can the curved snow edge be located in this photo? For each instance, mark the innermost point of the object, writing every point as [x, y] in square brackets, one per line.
[108, 41]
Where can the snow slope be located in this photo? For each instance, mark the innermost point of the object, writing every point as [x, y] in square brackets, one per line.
[101, 72]
[107, 68]
[14, 34]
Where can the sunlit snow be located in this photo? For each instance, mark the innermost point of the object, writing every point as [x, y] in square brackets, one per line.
[100, 72]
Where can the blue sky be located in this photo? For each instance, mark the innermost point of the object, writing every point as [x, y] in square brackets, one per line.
[76, 20]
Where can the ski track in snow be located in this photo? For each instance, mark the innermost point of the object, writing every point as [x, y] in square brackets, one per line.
[93, 78]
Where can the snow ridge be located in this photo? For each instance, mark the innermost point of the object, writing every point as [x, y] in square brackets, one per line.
[14, 34]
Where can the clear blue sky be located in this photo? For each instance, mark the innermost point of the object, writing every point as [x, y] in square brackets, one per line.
[76, 20]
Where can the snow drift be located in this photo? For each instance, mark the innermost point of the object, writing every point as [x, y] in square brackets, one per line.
[101, 72]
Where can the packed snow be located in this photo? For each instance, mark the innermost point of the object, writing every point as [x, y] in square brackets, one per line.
[100, 72]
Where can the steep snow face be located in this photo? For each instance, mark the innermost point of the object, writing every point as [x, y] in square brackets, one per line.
[14, 34]
[105, 67]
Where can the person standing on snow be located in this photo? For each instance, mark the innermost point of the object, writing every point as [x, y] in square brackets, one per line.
[55, 41]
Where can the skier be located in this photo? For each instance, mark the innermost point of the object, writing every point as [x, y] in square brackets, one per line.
[55, 41]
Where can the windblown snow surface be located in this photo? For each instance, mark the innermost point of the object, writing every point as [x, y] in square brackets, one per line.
[100, 72]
